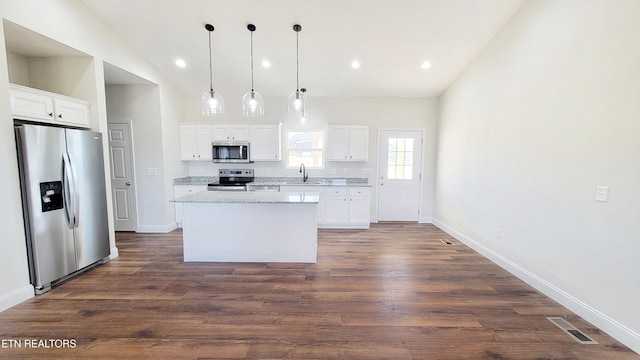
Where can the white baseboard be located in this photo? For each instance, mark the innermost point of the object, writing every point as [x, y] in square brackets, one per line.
[16, 297]
[425, 220]
[114, 253]
[610, 326]
[157, 228]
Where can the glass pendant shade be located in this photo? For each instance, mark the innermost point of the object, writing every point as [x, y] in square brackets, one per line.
[212, 103]
[252, 104]
[297, 103]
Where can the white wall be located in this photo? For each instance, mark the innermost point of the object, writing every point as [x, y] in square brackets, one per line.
[14, 282]
[141, 105]
[548, 111]
[70, 23]
[378, 113]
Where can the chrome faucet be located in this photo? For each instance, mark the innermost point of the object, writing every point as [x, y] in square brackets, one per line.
[303, 170]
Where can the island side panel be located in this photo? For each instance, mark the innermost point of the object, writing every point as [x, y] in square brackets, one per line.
[223, 232]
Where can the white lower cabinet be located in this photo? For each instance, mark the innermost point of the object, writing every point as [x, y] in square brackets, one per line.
[339, 207]
[359, 207]
[348, 208]
[181, 190]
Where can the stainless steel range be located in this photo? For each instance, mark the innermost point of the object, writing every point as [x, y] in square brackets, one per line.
[232, 180]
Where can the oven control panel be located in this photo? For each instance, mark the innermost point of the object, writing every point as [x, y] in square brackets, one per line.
[226, 173]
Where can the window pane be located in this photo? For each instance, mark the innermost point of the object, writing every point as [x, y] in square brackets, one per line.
[305, 147]
[409, 144]
[392, 158]
[392, 144]
[400, 144]
[408, 158]
[400, 158]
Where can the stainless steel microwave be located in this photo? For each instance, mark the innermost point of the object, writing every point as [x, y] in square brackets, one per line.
[230, 151]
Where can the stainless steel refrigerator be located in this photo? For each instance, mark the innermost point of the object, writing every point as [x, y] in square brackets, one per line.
[64, 201]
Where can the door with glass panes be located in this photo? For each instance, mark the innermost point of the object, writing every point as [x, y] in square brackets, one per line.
[400, 153]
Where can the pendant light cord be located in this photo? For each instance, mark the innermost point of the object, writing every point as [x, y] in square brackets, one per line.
[251, 61]
[297, 66]
[210, 65]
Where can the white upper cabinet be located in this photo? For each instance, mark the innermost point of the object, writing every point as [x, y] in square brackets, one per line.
[348, 143]
[195, 142]
[266, 142]
[230, 132]
[42, 106]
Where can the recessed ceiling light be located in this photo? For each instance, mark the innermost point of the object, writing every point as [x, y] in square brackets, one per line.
[355, 64]
[181, 63]
[265, 63]
[426, 65]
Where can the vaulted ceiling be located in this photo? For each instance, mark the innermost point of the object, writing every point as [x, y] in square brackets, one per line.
[391, 40]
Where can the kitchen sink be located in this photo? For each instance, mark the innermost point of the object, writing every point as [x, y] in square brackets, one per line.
[309, 182]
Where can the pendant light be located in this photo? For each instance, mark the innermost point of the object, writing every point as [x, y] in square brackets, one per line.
[252, 102]
[297, 101]
[212, 102]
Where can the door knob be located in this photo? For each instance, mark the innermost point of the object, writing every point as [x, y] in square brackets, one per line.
[128, 183]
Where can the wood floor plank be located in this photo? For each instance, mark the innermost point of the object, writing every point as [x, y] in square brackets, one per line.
[395, 291]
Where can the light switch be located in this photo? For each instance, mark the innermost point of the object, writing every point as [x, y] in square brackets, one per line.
[602, 193]
[152, 172]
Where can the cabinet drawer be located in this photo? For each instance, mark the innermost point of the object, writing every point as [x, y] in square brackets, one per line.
[337, 191]
[359, 191]
[181, 190]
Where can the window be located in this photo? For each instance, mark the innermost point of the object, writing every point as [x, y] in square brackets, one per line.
[400, 163]
[305, 146]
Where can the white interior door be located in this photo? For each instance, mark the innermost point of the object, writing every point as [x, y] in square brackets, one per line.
[122, 178]
[400, 159]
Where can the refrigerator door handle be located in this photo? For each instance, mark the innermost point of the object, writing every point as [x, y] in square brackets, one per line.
[70, 192]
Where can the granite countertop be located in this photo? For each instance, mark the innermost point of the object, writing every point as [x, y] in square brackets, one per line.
[250, 197]
[282, 181]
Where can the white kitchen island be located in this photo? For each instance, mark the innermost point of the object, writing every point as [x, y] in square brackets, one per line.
[241, 226]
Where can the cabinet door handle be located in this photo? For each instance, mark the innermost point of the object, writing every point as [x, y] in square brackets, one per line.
[60, 116]
[128, 183]
[50, 114]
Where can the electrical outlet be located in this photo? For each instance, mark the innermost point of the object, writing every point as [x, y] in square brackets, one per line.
[602, 193]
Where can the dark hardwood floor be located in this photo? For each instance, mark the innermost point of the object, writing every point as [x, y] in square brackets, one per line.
[395, 291]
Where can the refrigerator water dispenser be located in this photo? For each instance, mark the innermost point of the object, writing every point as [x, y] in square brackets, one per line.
[51, 195]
